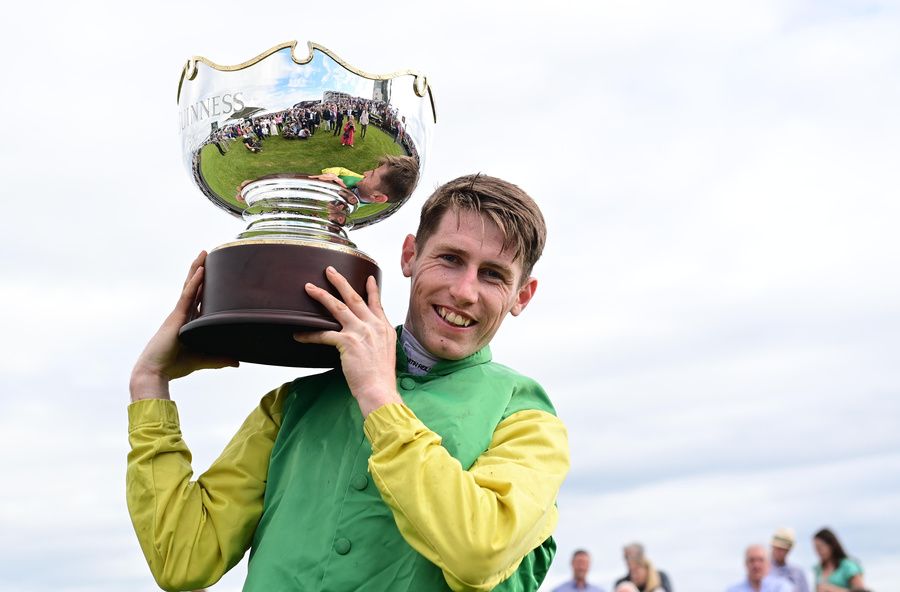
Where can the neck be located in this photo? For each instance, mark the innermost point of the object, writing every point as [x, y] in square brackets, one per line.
[419, 360]
[756, 584]
[407, 330]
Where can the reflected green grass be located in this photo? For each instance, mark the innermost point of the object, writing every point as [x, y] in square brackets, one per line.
[224, 174]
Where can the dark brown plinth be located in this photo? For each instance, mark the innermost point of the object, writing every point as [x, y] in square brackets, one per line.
[254, 300]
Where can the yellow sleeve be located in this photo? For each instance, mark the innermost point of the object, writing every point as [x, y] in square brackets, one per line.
[340, 172]
[192, 532]
[476, 525]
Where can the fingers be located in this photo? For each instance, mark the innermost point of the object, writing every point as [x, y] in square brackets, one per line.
[189, 295]
[240, 191]
[213, 362]
[195, 264]
[340, 311]
[375, 298]
[352, 301]
[198, 295]
[350, 296]
[190, 291]
[332, 338]
[330, 177]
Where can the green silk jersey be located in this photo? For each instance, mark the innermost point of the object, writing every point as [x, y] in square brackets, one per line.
[454, 489]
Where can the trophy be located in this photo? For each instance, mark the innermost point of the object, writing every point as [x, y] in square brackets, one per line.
[303, 148]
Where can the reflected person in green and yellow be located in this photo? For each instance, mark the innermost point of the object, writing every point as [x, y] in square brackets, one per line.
[392, 181]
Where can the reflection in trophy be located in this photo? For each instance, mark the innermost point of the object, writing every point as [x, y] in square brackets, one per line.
[303, 149]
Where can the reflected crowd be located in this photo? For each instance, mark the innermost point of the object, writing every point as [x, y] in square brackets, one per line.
[344, 117]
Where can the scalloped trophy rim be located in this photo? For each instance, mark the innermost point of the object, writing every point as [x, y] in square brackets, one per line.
[420, 82]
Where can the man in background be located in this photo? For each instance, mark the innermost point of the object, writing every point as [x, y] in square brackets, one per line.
[634, 556]
[581, 564]
[339, 122]
[782, 542]
[758, 577]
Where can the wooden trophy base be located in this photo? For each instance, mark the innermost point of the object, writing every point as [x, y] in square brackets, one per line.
[254, 301]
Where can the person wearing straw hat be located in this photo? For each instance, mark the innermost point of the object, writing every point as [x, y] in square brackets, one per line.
[782, 543]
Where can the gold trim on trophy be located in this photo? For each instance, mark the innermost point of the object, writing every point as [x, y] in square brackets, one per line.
[420, 81]
[294, 241]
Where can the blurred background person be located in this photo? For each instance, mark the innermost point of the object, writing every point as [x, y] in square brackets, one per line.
[835, 572]
[581, 564]
[645, 577]
[640, 570]
[759, 579]
[626, 587]
[338, 122]
[349, 131]
[782, 542]
[363, 123]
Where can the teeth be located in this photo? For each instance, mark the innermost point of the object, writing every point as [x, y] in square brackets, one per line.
[453, 318]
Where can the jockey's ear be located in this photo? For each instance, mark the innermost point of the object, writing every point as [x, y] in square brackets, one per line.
[378, 197]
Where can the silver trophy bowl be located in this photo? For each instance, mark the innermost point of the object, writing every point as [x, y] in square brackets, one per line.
[302, 148]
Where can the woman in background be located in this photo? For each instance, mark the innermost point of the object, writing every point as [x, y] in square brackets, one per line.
[835, 572]
[349, 130]
[645, 577]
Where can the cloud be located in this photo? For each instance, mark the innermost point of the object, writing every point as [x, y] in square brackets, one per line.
[716, 317]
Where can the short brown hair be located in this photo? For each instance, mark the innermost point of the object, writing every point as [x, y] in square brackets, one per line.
[506, 205]
[400, 178]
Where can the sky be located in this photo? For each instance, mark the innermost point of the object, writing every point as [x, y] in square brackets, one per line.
[718, 312]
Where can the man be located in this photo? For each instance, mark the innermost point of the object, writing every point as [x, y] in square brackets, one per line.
[581, 564]
[782, 543]
[758, 577]
[342, 480]
[364, 122]
[635, 559]
[252, 144]
[339, 122]
[401, 127]
[393, 180]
